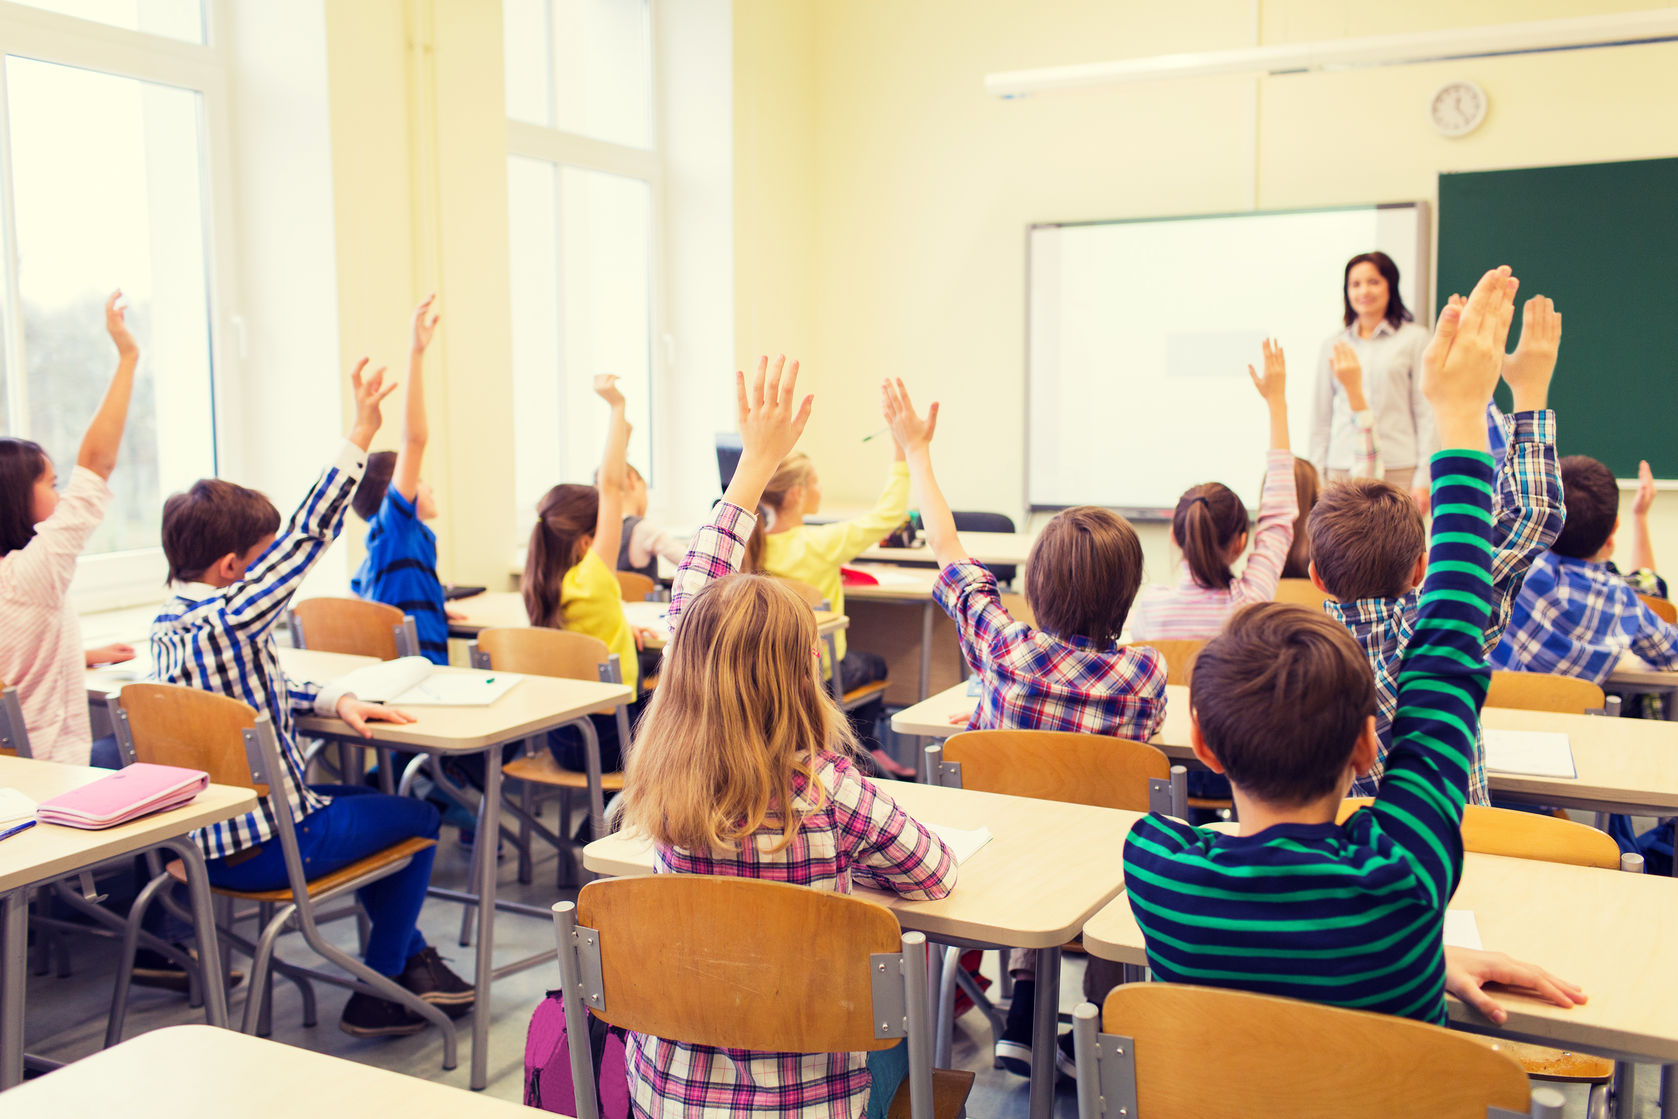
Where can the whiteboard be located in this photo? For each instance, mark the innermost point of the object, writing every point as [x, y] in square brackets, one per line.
[1141, 333]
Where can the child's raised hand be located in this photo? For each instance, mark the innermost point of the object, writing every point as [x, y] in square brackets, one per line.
[606, 388]
[1460, 365]
[911, 431]
[424, 326]
[117, 327]
[1348, 371]
[1274, 384]
[370, 393]
[769, 423]
[1528, 370]
[1645, 491]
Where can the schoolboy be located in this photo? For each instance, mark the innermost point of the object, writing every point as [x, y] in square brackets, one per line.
[1368, 539]
[643, 541]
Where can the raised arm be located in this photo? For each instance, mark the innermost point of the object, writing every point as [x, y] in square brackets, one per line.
[1642, 551]
[98, 451]
[1279, 501]
[614, 471]
[1348, 373]
[415, 430]
[914, 435]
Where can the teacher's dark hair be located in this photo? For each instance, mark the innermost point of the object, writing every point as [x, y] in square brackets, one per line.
[1397, 313]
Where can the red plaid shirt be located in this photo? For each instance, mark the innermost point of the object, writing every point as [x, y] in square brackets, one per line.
[1032, 680]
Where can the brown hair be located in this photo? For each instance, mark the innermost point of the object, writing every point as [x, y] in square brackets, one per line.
[22, 463]
[1083, 574]
[1593, 507]
[375, 480]
[211, 520]
[1366, 536]
[1306, 485]
[1208, 519]
[1397, 313]
[739, 713]
[1281, 696]
[565, 516]
[794, 471]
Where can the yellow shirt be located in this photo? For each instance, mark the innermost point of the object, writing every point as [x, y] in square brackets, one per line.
[813, 553]
[591, 603]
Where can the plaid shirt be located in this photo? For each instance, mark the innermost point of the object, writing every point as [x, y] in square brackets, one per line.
[1032, 680]
[849, 831]
[221, 639]
[1529, 516]
[1578, 618]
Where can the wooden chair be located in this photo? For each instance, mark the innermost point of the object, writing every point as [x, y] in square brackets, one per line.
[1665, 610]
[169, 725]
[1528, 835]
[1302, 592]
[857, 696]
[636, 587]
[1179, 657]
[1544, 691]
[747, 964]
[1149, 1056]
[14, 732]
[355, 626]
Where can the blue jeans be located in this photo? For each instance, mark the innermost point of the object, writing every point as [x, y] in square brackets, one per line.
[357, 822]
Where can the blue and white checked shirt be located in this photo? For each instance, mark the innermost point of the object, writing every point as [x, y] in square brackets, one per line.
[1529, 514]
[221, 639]
[1578, 618]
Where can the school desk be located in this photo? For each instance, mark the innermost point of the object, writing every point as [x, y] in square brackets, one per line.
[1614, 934]
[1625, 765]
[994, 549]
[195, 1072]
[506, 608]
[1005, 893]
[47, 852]
[1636, 677]
[919, 659]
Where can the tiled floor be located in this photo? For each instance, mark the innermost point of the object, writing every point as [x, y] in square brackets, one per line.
[66, 1017]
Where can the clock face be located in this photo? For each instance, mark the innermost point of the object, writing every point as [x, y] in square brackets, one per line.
[1457, 108]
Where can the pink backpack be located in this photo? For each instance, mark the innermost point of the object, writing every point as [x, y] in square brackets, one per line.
[547, 1063]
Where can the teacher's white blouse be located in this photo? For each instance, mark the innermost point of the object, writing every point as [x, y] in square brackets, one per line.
[1392, 382]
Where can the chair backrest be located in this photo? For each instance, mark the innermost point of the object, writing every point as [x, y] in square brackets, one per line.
[1302, 592]
[1054, 765]
[539, 651]
[1544, 691]
[738, 962]
[14, 732]
[970, 521]
[1525, 835]
[166, 724]
[1287, 1059]
[1665, 610]
[634, 586]
[1179, 657]
[349, 625]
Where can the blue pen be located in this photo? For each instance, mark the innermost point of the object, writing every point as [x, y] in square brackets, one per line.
[9, 832]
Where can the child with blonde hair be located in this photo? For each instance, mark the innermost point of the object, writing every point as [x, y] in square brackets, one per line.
[744, 766]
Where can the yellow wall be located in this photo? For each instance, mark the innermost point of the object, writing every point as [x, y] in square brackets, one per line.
[881, 198]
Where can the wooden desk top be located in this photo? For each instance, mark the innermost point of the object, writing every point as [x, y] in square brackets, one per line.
[1633, 672]
[1622, 763]
[1614, 934]
[506, 608]
[897, 584]
[1027, 888]
[48, 851]
[198, 1072]
[994, 548]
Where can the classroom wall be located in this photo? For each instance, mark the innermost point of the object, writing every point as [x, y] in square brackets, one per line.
[882, 198]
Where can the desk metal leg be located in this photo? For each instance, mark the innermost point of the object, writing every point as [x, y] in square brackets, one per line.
[489, 835]
[14, 935]
[204, 929]
[1669, 1092]
[929, 612]
[1045, 1029]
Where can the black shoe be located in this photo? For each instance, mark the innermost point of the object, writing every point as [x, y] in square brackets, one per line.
[370, 1016]
[428, 977]
[154, 969]
[1013, 1048]
[1066, 1057]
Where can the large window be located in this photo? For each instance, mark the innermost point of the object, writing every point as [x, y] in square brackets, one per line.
[583, 187]
[105, 187]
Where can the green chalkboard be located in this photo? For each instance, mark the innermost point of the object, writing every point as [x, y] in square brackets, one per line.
[1601, 239]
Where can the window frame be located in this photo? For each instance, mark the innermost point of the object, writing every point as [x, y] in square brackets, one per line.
[128, 578]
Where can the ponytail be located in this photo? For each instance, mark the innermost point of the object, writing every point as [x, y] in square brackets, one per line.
[565, 517]
[1208, 519]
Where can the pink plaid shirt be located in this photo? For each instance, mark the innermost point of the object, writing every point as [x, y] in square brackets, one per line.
[1032, 680]
[850, 831]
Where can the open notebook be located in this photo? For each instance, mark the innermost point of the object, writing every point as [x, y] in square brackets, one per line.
[1534, 753]
[416, 682]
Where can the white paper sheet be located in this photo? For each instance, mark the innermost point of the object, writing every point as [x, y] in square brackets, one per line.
[1535, 753]
[1461, 929]
[649, 615]
[457, 689]
[963, 842]
[15, 805]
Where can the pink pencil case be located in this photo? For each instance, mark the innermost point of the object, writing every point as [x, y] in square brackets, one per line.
[127, 794]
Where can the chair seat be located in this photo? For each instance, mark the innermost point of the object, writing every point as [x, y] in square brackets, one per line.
[395, 853]
[540, 768]
[856, 697]
[950, 1088]
[1555, 1064]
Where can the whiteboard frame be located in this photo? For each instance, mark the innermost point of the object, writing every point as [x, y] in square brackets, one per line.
[1423, 312]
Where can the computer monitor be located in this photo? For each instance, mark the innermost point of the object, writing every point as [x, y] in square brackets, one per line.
[728, 456]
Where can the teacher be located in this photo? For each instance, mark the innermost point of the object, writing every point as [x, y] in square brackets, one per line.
[1375, 361]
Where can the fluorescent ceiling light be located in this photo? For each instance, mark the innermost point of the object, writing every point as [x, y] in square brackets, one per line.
[1622, 29]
